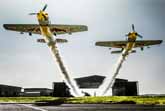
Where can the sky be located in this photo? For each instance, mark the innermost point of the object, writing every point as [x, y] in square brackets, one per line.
[26, 63]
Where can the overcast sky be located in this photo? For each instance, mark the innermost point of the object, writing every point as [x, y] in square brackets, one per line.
[26, 63]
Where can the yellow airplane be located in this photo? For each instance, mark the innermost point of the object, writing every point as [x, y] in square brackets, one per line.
[129, 44]
[46, 28]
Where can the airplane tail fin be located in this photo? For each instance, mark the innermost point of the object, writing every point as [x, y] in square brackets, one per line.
[57, 40]
[120, 51]
[61, 40]
[41, 40]
[116, 52]
[133, 51]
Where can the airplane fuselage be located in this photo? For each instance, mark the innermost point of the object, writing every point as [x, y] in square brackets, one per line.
[131, 42]
[44, 23]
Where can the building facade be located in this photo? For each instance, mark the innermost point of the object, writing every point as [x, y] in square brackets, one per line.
[123, 87]
[60, 89]
[93, 81]
[9, 91]
[30, 92]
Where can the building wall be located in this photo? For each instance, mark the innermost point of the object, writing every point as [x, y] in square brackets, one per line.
[37, 92]
[119, 91]
[132, 89]
[9, 91]
[123, 87]
[60, 89]
[93, 81]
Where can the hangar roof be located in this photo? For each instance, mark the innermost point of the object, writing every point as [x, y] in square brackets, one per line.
[93, 81]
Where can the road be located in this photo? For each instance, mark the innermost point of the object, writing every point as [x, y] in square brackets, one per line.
[17, 107]
[81, 107]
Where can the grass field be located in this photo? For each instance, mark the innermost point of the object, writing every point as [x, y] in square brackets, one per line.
[87, 100]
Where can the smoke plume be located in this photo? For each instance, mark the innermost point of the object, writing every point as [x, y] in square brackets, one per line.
[70, 82]
[109, 81]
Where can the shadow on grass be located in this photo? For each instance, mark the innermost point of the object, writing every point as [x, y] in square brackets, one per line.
[55, 102]
[59, 101]
[125, 102]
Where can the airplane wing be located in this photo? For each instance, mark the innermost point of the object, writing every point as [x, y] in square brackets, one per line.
[55, 28]
[63, 29]
[115, 44]
[122, 44]
[141, 43]
[29, 28]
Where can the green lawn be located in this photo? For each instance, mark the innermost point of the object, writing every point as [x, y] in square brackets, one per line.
[91, 100]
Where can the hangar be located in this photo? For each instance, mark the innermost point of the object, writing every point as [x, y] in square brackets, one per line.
[9, 91]
[93, 81]
[37, 92]
[123, 87]
[60, 89]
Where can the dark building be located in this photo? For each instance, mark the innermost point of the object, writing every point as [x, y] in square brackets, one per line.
[37, 92]
[9, 91]
[122, 87]
[93, 81]
[60, 89]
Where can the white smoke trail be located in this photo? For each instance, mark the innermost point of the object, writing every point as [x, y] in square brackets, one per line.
[70, 82]
[108, 82]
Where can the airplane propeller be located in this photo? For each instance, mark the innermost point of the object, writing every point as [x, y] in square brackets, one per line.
[42, 10]
[140, 36]
[44, 7]
[33, 13]
[133, 29]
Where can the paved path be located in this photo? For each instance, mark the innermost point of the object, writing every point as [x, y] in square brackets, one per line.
[19, 107]
[81, 107]
[103, 107]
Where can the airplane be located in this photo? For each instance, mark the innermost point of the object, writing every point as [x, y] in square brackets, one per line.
[45, 28]
[130, 43]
